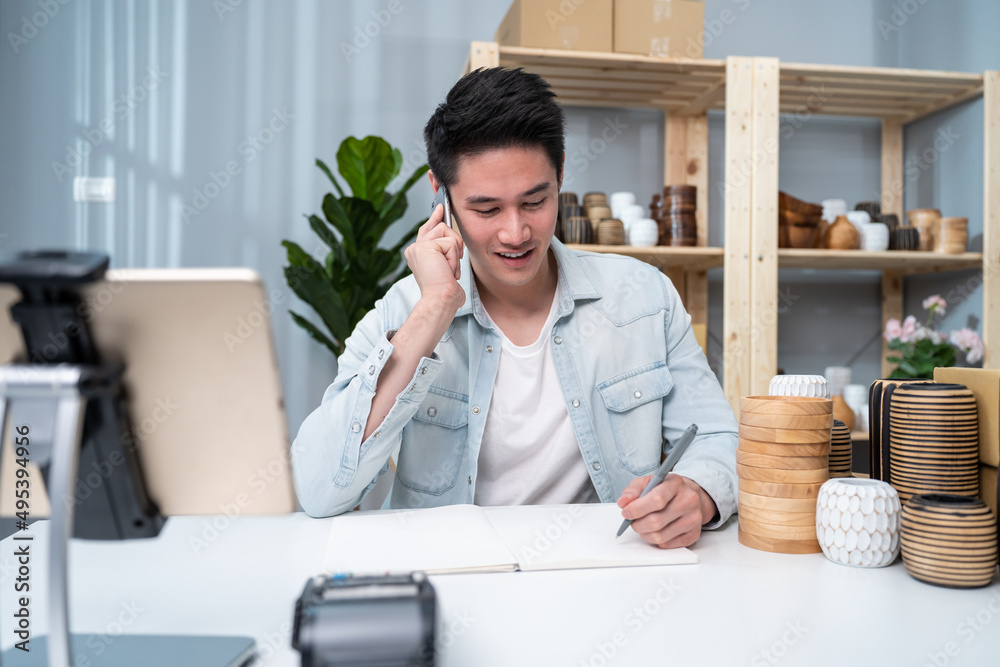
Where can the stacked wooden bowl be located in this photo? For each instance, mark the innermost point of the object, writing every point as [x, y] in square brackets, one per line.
[782, 461]
[949, 540]
[840, 450]
[610, 231]
[926, 221]
[799, 222]
[933, 440]
[952, 235]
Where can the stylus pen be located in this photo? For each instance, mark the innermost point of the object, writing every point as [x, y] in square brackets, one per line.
[665, 467]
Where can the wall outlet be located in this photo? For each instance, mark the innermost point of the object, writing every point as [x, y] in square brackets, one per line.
[100, 190]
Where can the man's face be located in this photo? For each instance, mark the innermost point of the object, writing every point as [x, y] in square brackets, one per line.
[506, 201]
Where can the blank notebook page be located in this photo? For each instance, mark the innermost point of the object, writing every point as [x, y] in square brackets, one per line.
[456, 538]
[563, 537]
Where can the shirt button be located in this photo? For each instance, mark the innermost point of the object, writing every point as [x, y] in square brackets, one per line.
[375, 434]
[431, 412]
[637, 394]
[576, 402]
[557, 340]
[381, 353]
[356, 427]
[423, 370]
[470, 479]
[475, 410]
[596, 465]
[371, 370]
[489, 348]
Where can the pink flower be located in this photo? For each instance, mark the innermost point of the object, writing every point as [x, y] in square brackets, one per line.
[892, 330]
[937, 337]
[909, 329]
[969, 342]
[922, 332]
[935, 304]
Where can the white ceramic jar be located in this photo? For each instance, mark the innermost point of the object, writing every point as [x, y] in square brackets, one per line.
[857, 522]
[833, 208]
[812, 386]
[618, 201]
[875, 237]
[644, 233]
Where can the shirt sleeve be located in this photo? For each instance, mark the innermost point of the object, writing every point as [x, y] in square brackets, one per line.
[697, 398]
[332, 466]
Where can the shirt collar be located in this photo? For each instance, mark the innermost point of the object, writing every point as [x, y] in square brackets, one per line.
[574, 284]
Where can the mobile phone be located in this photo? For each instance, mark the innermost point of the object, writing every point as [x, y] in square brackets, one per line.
[442, 198]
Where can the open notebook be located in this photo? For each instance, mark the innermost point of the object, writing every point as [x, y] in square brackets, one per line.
[468, 538]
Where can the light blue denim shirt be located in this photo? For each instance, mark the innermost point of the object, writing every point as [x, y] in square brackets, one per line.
[632, 375]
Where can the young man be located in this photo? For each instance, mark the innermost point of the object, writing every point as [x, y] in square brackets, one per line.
[509, 369]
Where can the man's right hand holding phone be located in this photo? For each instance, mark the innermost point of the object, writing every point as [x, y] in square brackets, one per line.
[435, 260]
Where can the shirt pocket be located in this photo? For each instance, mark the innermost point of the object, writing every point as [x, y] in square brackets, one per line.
[635, 409]
[434, 443]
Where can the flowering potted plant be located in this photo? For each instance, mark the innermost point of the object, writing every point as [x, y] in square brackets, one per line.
[920, 348]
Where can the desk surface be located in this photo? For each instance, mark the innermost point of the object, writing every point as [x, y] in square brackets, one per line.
[207, 575]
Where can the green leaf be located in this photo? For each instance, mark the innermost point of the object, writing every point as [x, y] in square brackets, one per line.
[329, 174]
[316, 334]
[341, 221]
[364, 224]
[391, 209]
[368, 165]
[323, 232]
[309, 282]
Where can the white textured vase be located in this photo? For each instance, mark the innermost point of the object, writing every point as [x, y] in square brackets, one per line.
[813, 386]
[644, 232]
[857, 522]
[875, 237]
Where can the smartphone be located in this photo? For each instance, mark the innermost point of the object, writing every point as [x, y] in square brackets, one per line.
[442, 198]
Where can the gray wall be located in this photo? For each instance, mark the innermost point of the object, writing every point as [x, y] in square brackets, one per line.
[222, 77]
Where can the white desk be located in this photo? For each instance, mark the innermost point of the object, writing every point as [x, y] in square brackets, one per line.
[730, 609]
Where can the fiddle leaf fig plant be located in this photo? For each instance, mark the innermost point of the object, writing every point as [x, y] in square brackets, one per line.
[355, 272]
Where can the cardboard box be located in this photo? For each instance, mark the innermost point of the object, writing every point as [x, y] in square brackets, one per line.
[985, 384]
[581, 25]
[660, 27]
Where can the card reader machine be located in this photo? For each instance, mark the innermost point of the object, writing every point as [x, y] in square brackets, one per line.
[352, 621]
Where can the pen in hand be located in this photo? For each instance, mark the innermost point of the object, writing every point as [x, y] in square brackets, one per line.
[675, 454]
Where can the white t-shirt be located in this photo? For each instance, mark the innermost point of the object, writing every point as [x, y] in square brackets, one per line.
[529, 453]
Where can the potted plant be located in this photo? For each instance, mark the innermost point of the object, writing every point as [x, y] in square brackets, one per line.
[344, 285]
[919, 348]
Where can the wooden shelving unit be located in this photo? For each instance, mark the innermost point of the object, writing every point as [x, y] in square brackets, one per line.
[758, 89]
[683, 88]
[753, 92]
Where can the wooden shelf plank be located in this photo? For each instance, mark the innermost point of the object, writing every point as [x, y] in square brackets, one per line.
[700, 258]
[889, 260]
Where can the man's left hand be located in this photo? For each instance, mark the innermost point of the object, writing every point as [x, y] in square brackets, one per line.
[669, 516]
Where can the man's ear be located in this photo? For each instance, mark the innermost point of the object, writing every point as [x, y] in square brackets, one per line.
[435, 183]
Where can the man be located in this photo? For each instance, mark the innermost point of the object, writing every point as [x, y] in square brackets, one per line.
[509, 369]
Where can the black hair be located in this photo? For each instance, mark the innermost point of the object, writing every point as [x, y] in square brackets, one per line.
[494, 108]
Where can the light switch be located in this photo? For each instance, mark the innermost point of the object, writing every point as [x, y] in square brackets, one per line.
[101, 190]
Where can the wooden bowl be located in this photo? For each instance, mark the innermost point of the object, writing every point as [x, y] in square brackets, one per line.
[802, 236]
[777, 545]
[782, 462]
[782, 476]
[779, 490]
[786, 202]
[770, 530]
[786, 405]
[782, 449]
[787, 421]
[791, 436]
[779, 518]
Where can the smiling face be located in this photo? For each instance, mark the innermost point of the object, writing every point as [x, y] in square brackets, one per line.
[506, 202]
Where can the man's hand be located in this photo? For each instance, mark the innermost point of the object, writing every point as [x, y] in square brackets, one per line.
[669, 516]
[435, 260]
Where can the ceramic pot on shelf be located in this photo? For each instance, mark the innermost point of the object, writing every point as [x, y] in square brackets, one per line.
[842, 235]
